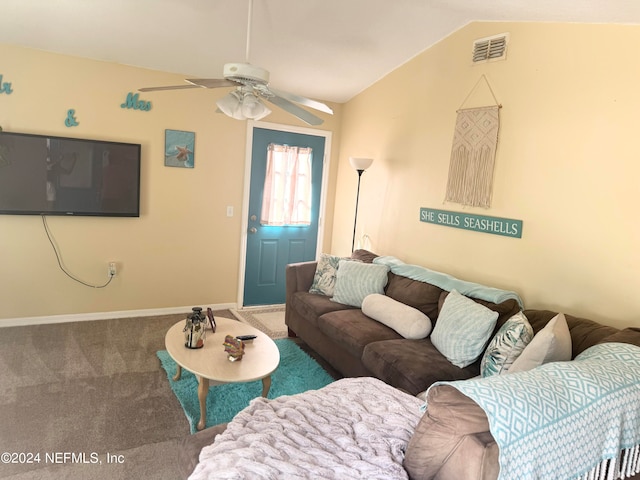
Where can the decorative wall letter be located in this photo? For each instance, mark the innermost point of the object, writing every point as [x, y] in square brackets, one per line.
[133, 102]
[5, 87]
[71, 121]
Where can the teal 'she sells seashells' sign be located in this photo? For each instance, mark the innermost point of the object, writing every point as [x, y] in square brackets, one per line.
[478, 223]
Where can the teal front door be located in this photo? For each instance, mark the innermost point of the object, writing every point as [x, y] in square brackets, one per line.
[271, 248]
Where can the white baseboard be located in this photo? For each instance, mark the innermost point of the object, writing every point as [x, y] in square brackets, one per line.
[82, 317]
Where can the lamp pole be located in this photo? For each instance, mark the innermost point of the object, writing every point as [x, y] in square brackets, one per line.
[355, 220]
[360, 165]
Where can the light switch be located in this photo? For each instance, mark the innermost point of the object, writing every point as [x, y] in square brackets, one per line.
[229, 211]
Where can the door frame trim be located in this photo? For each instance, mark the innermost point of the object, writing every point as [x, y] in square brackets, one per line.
[251, 124]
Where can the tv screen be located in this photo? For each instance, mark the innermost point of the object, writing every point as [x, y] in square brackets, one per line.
[46, 175]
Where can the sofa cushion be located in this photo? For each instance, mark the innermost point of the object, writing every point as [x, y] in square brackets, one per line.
[311, 305]
[506, 346]
[190, 446]
[628, 335]
[416, 294]
[412, 365]
[463, 329]
[584, 332]
[363, 255]
[356, 280]
[352, 330]
[407, 321]
[324, 279]
[551, 344]
[450, 416]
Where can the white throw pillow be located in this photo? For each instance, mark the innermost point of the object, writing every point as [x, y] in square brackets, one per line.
[507, 345]
[407, 321]
[356, 280]
[551, 344]
[463, 329]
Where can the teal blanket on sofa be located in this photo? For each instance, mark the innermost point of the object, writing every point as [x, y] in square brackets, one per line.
[447, 282]
[565, 420]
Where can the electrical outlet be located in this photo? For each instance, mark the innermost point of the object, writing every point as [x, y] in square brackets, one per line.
[112, 269]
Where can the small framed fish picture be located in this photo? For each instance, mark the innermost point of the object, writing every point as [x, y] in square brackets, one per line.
[179, 148]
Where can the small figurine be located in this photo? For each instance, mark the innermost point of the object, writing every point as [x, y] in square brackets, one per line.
[234, 348]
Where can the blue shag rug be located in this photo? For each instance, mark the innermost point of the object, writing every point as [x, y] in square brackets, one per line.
[297, 373]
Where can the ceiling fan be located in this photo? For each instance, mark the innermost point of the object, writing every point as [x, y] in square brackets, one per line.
[252, 86]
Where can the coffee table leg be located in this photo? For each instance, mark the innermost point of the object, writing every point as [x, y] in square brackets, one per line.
[203, 390]
[176, 377]
[266, 385]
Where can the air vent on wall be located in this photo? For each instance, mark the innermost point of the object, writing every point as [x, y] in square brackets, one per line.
[490, 48]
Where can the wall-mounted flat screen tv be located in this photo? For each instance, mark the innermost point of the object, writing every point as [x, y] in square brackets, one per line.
[47, 175]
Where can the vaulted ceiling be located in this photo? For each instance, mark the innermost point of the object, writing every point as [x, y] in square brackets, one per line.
[325, 49]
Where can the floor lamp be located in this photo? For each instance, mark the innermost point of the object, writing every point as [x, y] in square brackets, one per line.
[360, 164]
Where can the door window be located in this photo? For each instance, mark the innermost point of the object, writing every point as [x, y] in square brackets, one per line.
[287, 186]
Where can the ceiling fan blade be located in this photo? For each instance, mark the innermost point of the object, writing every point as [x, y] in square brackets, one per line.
[294, 109]
[212, 82]
[307, 102]
[171, 87]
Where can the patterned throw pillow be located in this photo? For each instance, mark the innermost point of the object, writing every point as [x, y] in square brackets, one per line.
[324, 279]
[356, 280]
[551, 344]
[462, 329]
[506, 346]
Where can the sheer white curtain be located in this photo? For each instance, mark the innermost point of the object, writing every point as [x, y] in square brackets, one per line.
[287, 186]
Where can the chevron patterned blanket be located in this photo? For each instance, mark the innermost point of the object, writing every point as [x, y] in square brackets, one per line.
[566, 420]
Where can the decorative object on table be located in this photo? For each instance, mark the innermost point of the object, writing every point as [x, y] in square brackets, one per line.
[212, 320]
[194, 329]
[179, 148]
[360, 164]
[473, 153]
[234, 348]
[71, 121]
[5, 87]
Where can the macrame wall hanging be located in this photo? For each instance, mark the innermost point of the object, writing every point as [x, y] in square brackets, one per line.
[473, 153]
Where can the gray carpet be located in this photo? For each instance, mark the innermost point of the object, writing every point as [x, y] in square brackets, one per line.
[89, 388]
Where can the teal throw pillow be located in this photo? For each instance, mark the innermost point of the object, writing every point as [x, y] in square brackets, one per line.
[463, 329]
[506, 346]
[356, 280]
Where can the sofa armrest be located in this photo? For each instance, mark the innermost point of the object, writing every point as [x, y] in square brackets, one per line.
[190, 446]
[299, 277]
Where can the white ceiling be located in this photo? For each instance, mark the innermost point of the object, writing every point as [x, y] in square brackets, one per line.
[325, 49]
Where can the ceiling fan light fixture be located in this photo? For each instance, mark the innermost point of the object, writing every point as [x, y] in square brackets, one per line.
[231, 105]
[253, 108]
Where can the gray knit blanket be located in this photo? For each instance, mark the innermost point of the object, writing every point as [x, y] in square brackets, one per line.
[352, 428]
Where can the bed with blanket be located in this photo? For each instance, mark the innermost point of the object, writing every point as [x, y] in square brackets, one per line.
[352, 428]
[562, 420]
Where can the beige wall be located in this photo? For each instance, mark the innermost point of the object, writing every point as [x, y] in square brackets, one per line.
[567, 165]
[183, 250]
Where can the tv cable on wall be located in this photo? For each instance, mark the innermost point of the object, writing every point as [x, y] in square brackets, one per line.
[61, 265]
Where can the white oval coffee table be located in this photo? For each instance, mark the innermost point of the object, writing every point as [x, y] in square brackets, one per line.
[210, 364]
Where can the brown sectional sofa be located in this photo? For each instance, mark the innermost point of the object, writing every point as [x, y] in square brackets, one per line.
[452, 441]
[356, 345]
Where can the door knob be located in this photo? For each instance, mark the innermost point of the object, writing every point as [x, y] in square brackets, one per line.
[253, 230]
[253, 218]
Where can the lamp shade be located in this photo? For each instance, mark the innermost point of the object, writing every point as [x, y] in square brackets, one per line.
[253, 108]
[242, 105]
[360, 163]
[231, 106]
